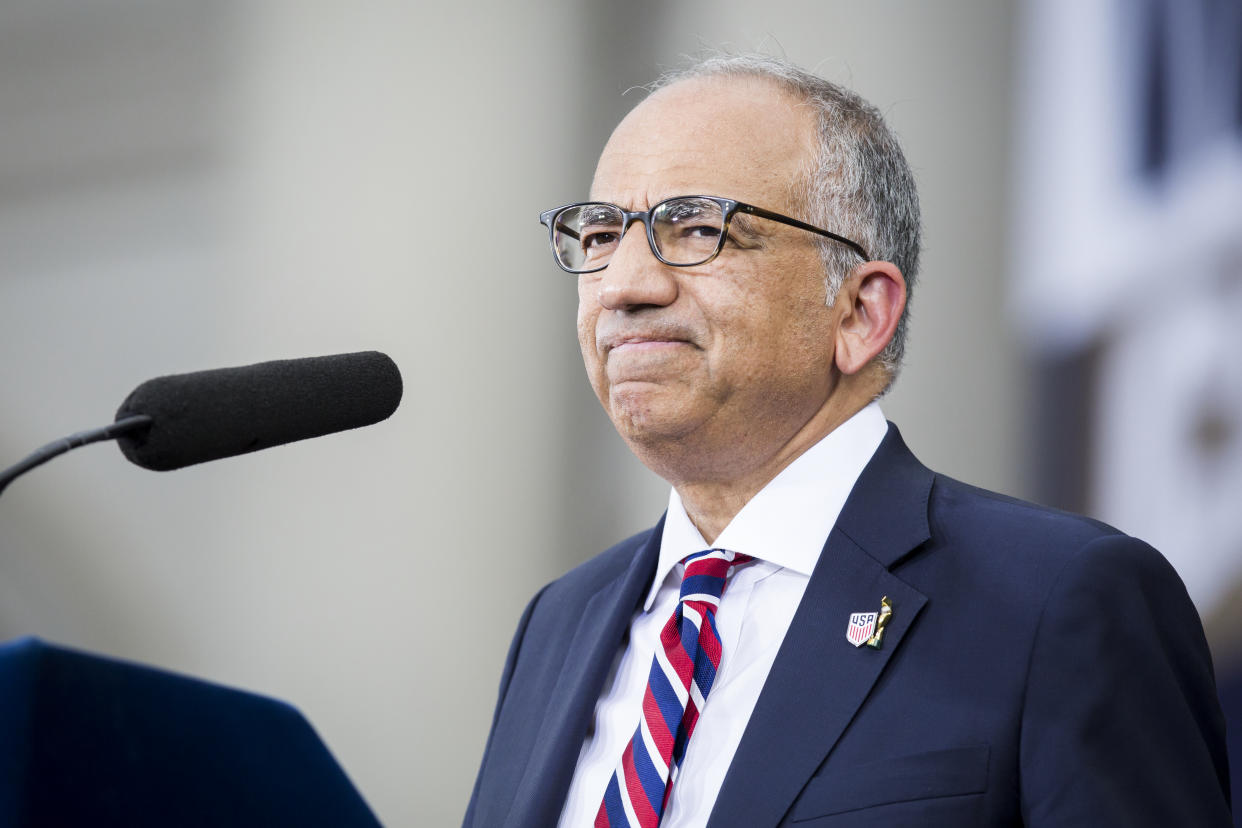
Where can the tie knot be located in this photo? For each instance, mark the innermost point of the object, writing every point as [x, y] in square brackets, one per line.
[706, 572]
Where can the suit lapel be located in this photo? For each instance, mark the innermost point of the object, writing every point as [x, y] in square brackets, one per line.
[602, 625]
[819, 680]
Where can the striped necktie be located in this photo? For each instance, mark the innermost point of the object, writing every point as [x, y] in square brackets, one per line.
[682, 673]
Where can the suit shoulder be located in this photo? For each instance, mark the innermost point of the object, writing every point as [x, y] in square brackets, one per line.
[960, 510]
[1026, 547]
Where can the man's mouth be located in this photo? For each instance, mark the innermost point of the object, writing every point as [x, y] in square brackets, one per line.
[644, 344]
[635, 341]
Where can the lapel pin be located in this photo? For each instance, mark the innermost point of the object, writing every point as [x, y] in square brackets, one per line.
[868, 627]
[886, 612]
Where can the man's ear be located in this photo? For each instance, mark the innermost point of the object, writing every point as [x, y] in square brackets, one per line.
[871, 301]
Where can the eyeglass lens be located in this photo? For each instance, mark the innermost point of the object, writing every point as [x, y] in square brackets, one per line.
[686, 231]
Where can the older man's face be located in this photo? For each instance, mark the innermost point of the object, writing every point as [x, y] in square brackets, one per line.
[699, 364]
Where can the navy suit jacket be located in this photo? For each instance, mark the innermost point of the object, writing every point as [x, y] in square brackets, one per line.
[1039, 669]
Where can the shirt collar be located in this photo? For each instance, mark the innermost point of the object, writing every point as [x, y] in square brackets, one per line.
[787, 522]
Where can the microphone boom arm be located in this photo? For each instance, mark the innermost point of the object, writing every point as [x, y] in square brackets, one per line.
[40, 456]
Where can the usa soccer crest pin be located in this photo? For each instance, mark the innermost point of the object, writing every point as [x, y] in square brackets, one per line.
[868, 627]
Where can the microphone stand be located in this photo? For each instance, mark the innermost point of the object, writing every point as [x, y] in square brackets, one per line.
[82, 438]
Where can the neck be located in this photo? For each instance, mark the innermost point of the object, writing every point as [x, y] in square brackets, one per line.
[712, 501]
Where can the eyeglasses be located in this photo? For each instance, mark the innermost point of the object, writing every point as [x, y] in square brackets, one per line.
[683, 232]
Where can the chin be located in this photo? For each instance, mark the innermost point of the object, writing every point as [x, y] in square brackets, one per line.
[646, 419]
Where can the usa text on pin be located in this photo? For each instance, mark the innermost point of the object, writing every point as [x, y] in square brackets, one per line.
[862, 624]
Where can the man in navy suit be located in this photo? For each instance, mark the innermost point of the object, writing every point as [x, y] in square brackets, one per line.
[892, 647]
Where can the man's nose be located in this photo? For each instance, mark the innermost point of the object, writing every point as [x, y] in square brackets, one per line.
[635, 277]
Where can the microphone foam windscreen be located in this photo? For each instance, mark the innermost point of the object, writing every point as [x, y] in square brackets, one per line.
[208, 415]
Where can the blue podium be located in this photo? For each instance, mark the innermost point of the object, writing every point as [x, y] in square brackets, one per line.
[91, 741]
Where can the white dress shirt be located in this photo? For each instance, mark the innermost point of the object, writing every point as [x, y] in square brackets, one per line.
[784, 528]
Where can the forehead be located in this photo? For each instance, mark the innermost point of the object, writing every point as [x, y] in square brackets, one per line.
[741, 138]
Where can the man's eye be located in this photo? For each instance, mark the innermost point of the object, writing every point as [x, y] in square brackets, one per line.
[595, 240]
[700, 231]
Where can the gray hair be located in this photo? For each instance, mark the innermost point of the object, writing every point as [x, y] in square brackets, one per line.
[857, 183]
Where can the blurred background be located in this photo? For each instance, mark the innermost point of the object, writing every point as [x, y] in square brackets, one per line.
[196, 185]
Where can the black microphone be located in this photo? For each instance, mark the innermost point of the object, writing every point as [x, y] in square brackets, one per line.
[208, 415]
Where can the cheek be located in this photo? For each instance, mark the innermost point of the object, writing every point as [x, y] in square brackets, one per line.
[786, 332]
[588, 311]
[588, 314]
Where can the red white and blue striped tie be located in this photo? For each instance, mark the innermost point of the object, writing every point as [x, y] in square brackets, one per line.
[681, 676]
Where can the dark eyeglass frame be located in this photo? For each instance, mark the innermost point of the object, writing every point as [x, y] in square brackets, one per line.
[729, 207]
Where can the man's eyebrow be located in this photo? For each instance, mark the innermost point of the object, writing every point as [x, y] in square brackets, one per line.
[597, 215]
